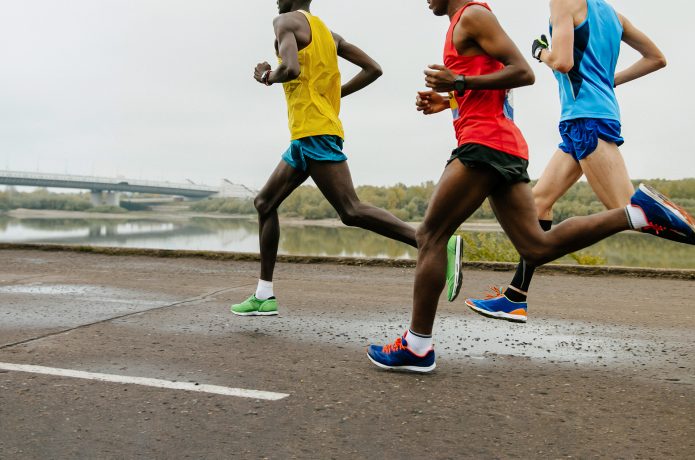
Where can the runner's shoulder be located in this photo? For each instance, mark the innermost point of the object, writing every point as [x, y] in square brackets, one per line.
[289, 21]
[571, 4]
[573, 7]
[473, 15]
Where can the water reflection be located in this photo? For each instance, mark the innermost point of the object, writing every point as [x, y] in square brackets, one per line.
[340, 241]
[241, 235]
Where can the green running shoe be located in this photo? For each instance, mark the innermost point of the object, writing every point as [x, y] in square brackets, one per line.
[255, 307]
[454, 275]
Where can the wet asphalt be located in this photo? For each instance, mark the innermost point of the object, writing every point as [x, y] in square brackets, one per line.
[605, 367]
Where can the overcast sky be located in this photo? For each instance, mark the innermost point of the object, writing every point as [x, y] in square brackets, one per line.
[163, 89]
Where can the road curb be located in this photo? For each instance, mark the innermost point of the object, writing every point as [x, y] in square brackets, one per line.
[582, 270]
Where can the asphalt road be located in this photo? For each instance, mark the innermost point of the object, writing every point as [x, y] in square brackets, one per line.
[604, 368]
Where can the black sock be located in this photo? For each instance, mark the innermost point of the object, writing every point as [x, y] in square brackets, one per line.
[524, 273]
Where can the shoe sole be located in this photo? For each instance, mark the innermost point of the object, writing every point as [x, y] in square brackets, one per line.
[257, 313]
[679, 212]
[421, 370]
[458, 273]
[497, 314]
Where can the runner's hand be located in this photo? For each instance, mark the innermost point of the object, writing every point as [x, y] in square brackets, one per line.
[538, 46]
[260, 70]
[429, 102]
[439, 78]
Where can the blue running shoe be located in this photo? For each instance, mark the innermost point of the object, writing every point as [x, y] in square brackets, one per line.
[666, 219]
[498, 306]
[397, 356]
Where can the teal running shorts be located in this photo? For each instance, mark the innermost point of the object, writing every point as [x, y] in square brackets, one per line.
[318, 148]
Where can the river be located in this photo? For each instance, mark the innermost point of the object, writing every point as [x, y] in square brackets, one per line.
[241, 235]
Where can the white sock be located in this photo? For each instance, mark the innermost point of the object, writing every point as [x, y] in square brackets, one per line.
[264, 291]
[636, 217]
[417, 343]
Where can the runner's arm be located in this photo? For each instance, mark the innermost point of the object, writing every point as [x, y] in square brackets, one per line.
[482, 27]
[430, 102]
[371, 70]
[652, 57]
[288, 50]
[491, 37]
[561, 56]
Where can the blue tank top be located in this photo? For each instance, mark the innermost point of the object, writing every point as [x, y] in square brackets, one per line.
[587, 90]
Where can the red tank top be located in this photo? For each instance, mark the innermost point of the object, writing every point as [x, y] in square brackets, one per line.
[482, 116]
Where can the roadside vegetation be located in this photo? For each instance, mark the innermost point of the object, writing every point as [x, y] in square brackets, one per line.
[43, 199]
[405, 202]
[410, 202]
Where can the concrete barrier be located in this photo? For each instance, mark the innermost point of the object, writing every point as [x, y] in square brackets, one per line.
[582, 270]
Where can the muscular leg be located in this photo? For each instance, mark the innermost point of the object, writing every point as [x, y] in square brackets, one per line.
[559, 175]
[607, 175]
[516, 212]
[461, 190]
[279, 186]
[335, 182]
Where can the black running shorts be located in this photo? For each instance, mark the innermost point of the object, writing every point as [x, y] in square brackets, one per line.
[510, 167]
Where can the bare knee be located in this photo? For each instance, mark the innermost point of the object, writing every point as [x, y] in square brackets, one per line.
[262, 205]
[422, 237]
[350, 214]
[429, 237]
[533, 248]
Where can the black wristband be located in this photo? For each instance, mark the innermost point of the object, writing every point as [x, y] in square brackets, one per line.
[460, 85]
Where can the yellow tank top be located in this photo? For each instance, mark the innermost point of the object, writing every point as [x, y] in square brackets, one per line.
[313, 99]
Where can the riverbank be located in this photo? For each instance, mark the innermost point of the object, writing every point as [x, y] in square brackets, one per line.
[182, 215]
[169, 230]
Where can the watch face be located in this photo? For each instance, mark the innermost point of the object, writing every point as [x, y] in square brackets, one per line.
[460, 85]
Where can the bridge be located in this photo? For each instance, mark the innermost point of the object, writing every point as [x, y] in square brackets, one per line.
[106, 191]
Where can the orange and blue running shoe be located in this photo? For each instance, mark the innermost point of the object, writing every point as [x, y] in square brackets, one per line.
[666, 219]
[397, 356]
[498, 306]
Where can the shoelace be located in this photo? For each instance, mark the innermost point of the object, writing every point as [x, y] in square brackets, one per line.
[657, 228]
[393, 347]
[496, 292]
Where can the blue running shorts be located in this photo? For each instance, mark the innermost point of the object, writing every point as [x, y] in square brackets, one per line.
[580, 136]
[319, 148]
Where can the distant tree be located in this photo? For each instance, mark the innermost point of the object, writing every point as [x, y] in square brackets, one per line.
[410, 202]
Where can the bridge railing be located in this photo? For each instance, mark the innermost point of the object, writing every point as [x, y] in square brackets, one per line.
[105, 181]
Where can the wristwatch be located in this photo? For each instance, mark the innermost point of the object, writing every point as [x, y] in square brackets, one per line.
[265, 77]
[460, 85]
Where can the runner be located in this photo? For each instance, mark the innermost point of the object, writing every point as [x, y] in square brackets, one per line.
[308, 53]
[586, 43]
[481, 65]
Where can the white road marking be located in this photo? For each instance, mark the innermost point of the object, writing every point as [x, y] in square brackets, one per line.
[158, 383]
